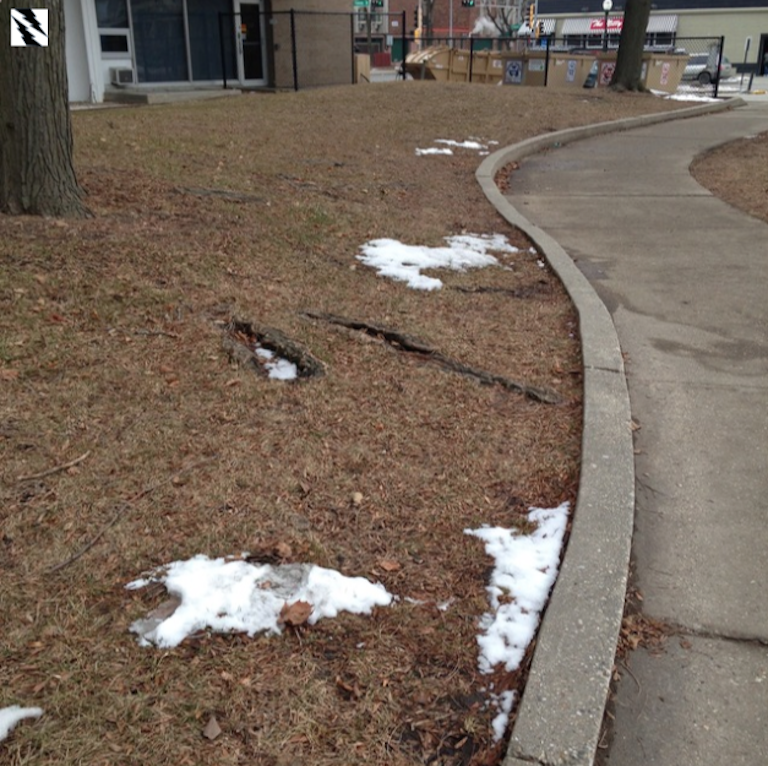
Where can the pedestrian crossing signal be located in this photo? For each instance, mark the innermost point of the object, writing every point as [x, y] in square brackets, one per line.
[468, 3]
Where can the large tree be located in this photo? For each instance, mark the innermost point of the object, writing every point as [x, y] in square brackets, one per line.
[629, 61]
[503, 14]
[36, 172]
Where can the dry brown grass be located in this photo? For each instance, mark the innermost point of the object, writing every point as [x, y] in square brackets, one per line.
[111, 344]
[737, 172]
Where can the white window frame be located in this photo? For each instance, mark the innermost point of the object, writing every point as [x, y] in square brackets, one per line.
[117, 32]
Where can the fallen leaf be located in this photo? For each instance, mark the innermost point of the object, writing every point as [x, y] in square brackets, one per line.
[165, 610]
[351, 689]
[390, 566]
[294, 614]
[212, 728]
[357, 498]
[284, 551]
[9, 374]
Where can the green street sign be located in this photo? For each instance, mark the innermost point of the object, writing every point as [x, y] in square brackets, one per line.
[361, 3]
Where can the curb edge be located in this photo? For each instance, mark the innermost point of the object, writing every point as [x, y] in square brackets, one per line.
[561, 711]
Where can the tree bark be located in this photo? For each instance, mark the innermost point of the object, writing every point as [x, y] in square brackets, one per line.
[629, 61]
[37, 174]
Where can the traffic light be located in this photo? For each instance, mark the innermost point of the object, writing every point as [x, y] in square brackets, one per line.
[531, 15]
[540, 30]
[378, 3]
[468, 3]
[416, 17]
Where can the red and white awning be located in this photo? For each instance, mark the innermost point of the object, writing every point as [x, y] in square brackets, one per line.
[596, 26]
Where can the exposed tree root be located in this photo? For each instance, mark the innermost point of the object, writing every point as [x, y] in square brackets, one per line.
[412, 345]
[224, 193]
[530, 291]
[55, 469]
[240, 337]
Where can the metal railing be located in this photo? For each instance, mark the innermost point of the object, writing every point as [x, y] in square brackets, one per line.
[303, 49]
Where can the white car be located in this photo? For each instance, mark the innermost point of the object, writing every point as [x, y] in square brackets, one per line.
[702, 67]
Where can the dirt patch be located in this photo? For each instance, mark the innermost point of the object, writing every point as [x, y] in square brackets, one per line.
[110, 348]
[737, 173]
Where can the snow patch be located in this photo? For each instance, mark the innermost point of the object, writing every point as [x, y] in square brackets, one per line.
[10, 716]
[229, 595]
[405, 263]
[525, 570]
[279, 369]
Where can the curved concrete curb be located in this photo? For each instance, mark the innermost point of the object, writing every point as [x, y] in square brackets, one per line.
[561, 712]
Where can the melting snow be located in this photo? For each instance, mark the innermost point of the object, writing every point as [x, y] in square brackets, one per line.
[236, 596]
[525, 570]
[504, 703]
[10, 716]
[433, 150]
[279, 369]
[405, 263]
[471, 143]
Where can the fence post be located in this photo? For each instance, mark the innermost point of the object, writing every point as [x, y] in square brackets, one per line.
[293, 51]
[405, 50]
[223, 57]
[546, 65]
[719, 64]
[471, 56]
[352, 44]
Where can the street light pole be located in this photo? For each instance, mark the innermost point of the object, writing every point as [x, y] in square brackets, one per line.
[607, 6]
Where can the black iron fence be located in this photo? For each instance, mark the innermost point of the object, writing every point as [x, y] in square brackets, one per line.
[286, 49]
[693, 66]
[304, 49]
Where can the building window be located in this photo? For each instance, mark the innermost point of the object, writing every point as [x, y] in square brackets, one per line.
[160, 40]
[112, 18]
[661, 40]
[574, 41]
[115, 43]
[205, 39]
[112, 14]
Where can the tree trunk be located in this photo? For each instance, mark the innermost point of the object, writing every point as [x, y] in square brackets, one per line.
[629, 61]
[36, 172]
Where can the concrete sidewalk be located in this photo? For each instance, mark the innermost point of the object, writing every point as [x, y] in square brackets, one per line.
[685, 279]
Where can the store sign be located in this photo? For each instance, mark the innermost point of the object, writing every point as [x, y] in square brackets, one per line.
[614, 24]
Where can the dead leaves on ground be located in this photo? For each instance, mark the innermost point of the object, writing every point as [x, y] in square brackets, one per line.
[295, 614]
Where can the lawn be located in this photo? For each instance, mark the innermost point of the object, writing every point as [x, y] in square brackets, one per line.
[137, 428]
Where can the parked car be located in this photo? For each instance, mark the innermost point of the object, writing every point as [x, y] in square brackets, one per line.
[702, 67]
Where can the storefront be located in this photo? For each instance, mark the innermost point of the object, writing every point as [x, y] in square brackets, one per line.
[742, 23]
[589, 32]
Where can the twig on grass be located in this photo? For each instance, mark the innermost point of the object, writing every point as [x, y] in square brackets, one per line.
[55, 469]
[412, 345]
[125, 506]
[158, 333]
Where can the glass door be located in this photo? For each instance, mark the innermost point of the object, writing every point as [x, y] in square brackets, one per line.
[250, 43]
